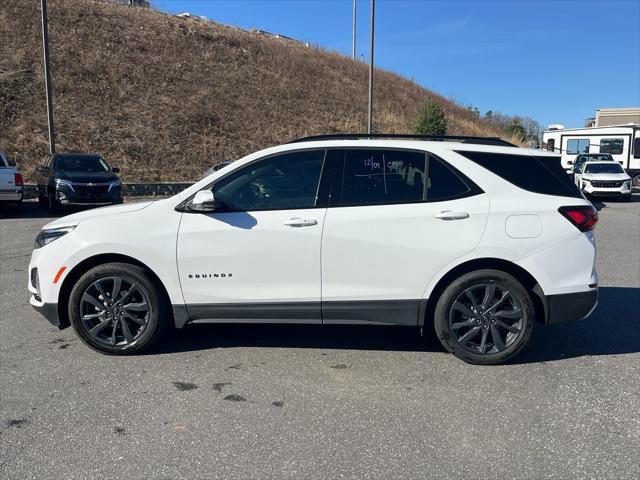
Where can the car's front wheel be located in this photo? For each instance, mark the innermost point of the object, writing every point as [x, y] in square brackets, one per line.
[484, 317]
[117, 308]
[53, 203]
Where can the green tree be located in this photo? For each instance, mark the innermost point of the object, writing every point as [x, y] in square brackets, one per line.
[489, 115]
[431, 120]
[516, 130]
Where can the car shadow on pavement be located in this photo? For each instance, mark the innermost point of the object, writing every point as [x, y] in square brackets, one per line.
[613, 329]
[28, 209]
[341, 337]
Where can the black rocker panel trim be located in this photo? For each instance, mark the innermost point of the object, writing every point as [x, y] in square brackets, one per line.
[377, 312]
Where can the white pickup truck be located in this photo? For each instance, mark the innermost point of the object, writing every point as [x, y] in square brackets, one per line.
[11, 182]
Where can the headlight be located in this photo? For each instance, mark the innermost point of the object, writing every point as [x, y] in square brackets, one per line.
[115, 184]
[627, 184]
[64, 183]
[47, 236]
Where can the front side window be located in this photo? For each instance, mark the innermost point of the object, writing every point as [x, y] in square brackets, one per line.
[282, 182]
[614, 146]
[575, 146]
[383, 176]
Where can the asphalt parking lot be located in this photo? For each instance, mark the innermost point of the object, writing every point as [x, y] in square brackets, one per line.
[323, 402]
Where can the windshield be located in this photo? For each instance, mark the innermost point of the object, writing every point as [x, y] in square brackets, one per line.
[597, 158]
[603, 168]
[81, 164]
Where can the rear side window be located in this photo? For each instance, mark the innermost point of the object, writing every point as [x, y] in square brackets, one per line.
[543, 175]
[443, 183]
[391, 176]
[383, 176]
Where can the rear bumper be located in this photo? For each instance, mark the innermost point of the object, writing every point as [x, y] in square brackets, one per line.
[568, 307]
[10, 195]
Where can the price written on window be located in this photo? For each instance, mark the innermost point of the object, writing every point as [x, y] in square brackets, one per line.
[373, 164]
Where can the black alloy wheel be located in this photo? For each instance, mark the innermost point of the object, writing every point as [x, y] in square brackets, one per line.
[484, 317]
[118, 308]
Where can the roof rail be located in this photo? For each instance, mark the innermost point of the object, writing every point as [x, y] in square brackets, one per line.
[404, 136]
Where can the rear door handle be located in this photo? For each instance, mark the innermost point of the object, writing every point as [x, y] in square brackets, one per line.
[449, 215]
[301, 222]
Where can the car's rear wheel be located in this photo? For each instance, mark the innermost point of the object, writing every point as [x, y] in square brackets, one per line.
[484, 317]
[117, 308]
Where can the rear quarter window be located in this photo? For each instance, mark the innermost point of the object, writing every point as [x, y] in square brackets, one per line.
[536, 174]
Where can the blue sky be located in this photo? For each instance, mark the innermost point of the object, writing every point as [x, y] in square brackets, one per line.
[554, 61]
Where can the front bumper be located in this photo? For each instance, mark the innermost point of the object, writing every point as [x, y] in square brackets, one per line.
[606, 192]
[47, 310]
[568, 307]
[66, 196]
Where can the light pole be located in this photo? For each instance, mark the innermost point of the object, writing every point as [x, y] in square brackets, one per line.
[353, 43]
[373, 14]
[47, 76]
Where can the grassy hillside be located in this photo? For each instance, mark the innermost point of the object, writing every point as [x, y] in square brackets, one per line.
[162, 97]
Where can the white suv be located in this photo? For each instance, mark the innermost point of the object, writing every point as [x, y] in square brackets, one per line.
[472, 235]
[604, 179]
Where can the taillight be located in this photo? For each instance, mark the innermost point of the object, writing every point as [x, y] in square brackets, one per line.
[583, 217]
[19, 182]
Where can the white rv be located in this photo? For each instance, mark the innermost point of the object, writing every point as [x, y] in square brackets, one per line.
[621, 141]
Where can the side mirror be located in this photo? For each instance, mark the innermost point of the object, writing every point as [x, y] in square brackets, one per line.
[203, 201]
[115, 170]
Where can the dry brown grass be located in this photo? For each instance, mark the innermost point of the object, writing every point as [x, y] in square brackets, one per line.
[163, 98]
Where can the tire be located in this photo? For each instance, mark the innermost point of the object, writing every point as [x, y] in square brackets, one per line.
[108, 332]
[484, 338]
[54, 205]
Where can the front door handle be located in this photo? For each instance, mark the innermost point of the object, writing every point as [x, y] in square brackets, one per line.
[301, 222]
[449, 215]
